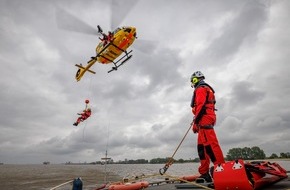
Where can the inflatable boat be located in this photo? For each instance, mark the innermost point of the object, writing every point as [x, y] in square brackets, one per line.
[129, 186]
[254, 175]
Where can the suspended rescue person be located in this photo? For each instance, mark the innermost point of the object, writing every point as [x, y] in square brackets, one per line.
[106, 38]
[203, 109]
[84, 115]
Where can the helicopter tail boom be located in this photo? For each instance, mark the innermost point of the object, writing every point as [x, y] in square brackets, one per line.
[80, 66]
[81, 71]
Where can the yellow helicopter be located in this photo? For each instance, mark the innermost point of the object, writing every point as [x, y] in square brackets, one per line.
[110, 48]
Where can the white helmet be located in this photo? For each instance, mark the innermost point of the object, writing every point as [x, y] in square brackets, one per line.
[195, 77]
[197, 74]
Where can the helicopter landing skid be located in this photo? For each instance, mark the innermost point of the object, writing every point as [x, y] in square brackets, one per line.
[125, 60]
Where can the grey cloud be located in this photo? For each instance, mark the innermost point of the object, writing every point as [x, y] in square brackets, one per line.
[244, 94]
[250, 18]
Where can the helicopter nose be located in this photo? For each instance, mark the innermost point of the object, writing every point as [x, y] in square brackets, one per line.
[134, 31]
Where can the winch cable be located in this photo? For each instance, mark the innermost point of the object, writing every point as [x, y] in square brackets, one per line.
[84, 131]
[85, 125]
[171, 160]
[89, 97]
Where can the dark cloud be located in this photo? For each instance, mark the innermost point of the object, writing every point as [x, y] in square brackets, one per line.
[248, 19]
[244, 94]
[244, 27]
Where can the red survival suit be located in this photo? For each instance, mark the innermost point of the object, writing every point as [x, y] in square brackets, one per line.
[203, 107]
[83, 116]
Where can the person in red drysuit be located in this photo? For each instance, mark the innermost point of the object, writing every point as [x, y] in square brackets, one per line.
[107, 38]
[83, 116]
[203, 109]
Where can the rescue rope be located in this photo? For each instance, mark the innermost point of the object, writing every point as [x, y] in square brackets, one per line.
[61, 185]
[84, 131]
[190, 182]
[143, 176]
[171, 160]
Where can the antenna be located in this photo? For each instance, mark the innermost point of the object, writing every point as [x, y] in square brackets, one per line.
[106, 156]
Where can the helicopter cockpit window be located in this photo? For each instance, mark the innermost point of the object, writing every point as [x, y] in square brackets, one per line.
[127, 30]
[116, 30]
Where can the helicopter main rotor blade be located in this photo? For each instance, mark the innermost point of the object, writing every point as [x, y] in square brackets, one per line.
[119, 11]
[145, 46]
[67, 21]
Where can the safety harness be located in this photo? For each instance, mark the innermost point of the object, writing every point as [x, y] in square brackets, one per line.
[208, 101]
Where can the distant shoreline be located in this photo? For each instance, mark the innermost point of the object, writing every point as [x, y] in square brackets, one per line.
[99, 163]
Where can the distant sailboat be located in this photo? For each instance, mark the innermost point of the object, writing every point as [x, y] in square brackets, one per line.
[106, 159]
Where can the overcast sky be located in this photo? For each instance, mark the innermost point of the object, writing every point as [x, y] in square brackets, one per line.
[143, 109]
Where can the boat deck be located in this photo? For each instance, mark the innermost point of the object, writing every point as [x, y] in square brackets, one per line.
[168, 184]
[163, 185]
[281, 185]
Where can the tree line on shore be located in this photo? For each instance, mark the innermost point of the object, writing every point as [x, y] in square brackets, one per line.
[246, 153]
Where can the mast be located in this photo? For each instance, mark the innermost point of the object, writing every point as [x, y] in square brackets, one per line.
[106, 158]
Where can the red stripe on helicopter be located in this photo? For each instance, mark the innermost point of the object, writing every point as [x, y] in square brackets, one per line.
[125, 42]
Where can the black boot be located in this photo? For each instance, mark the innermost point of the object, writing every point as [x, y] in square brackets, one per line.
[206, 177]
[75, 124]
